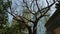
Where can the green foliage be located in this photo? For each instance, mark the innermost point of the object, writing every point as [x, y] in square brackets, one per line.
[17, 27]
[9, 3]
[3, 13]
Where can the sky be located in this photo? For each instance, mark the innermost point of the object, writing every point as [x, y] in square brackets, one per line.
[16, 4]
[41, 24]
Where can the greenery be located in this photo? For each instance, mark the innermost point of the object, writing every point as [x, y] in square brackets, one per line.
[4, 16]
[20, 25]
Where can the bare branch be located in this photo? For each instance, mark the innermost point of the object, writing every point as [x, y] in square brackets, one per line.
[38, 7]
[48, 6]
[28, 7]
[19, 18]
[47, 2]
[11, 14]
[23, 22]
[33, 7]
[45, 12]
[54, 1]
[32, 3]
[26, 19]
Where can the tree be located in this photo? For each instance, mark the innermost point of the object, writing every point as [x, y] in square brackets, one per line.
[18, 27]
[37, 15]
[3, 16]
[3, 13]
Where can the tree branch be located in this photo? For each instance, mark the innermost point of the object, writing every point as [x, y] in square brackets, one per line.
[45, 12]
[26, 19]
[32, 3]
[47, 2]
[17, 18]
[28, 7]
[38, 7]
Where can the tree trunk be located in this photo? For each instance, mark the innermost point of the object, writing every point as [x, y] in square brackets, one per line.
[35, 29]
[30, 30]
